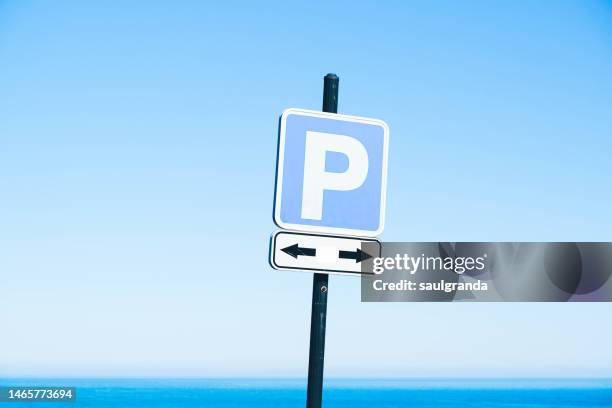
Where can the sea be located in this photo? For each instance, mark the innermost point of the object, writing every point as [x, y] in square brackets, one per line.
[338, 393]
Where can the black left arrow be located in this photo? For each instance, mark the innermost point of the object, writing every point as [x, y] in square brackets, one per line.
[358, 255]
[295, 250]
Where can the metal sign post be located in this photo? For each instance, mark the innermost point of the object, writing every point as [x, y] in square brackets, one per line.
[318, 315]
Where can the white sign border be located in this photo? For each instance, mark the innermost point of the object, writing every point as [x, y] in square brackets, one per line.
[279, 174]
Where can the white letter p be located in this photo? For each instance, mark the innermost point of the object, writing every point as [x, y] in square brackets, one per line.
[317, 180]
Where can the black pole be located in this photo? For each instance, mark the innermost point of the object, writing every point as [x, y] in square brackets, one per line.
[318, 316]
[330, 93]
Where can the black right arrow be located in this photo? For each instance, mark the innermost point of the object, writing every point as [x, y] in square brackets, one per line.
[294, 250]
[358, 255]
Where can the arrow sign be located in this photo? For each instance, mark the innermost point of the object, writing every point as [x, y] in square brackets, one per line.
[323, 253]
[357, 255]
[295, 250]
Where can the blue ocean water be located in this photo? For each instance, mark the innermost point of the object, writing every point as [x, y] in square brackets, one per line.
[283, 393]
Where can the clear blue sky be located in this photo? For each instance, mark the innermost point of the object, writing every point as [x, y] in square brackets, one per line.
[137, 150]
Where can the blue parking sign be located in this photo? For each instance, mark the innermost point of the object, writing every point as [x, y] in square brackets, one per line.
[331, 173]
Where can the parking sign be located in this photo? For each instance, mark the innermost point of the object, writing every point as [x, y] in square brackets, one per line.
[331, 173]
